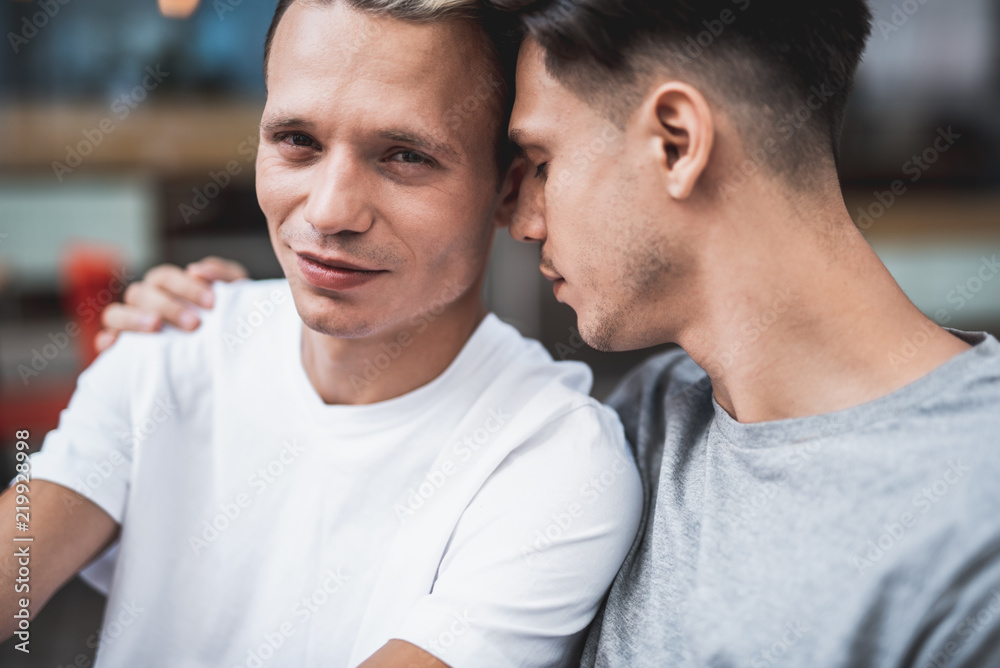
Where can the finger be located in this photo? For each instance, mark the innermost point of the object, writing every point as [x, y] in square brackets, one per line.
[119, 317]
[179, 284]
[150, 299]
[214, 268]
[104, 339]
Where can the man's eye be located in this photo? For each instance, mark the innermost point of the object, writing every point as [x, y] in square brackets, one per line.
[410, 157]
[295, 139]
[542, 170]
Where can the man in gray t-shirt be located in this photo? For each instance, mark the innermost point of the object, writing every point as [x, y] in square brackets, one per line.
[821, 463]
[865, 537]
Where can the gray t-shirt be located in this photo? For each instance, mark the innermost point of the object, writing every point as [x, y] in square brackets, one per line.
[866, 537]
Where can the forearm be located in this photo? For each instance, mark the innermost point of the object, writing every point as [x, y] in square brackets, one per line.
[66, 531]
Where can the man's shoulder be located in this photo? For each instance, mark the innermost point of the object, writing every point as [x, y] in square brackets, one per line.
[973, 391]
[187, 359]
[665, 374]
[248, 291]
[667, 382]
[544, 403]
[243, 309]
[505, 362]
[252, 301]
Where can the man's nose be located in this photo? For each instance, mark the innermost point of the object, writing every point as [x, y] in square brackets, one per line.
[528, 223]
[337, 200]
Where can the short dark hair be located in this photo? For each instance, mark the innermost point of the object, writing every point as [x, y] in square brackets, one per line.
[762, 59]
[499, 34]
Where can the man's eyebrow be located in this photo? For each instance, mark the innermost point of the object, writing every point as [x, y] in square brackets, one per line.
[271, 124]
[417, 141]
[424, 143]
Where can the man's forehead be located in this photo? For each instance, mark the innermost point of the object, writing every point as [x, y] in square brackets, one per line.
[412, 81]
[539, 101]
[335, 36]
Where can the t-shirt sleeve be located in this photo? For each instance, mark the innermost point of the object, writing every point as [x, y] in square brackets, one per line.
[534, 553]
[91, 449]
[962, 628]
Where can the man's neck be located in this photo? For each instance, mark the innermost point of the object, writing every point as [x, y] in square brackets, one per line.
[393, 362]
[805, 322]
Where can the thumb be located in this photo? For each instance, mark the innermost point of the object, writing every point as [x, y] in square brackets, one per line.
[104, 339]
[217, 269]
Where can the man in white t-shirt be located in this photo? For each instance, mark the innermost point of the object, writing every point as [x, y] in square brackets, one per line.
[355, 465]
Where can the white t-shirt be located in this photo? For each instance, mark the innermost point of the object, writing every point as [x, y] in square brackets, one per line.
[480, 517]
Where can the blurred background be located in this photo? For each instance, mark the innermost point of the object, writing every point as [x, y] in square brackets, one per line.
[128, 131]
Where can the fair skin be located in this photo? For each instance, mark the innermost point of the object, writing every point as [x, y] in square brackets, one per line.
[378, 212]
[638, 240]
[648, 252]
[801, 318]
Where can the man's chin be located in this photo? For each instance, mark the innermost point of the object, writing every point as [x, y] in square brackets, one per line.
[613, 331]
[595, 330]
[332, 317]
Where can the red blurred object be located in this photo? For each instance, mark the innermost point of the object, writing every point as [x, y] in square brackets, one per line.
[91, 280]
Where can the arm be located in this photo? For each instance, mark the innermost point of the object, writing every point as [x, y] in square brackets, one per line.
[960, 625]
[166, 294]
[401, 654]
[71, 493]
[68, 531]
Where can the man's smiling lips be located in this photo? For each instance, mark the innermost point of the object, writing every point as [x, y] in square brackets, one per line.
[334, 273]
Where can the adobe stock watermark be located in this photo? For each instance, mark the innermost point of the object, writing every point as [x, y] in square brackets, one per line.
[230, 511]
[218, 181]
[30, 25]
[100, 472]
[248, 324]
[768, 490]
[333, 580]
[785, 129]
[572, 345]
[375, 366]
[224, 7]
[899, 17]
[115, 625]
[695, 47]
[800, 455]
[561, 522]
[462, 450]
[459, 624]
[968, 627]
[794, 632]
[923, 500]
[751, 330]
[915, 167]
[965, 292]
[959, 296]
[113, 629]
[59, 340]
[584, 157]
[489, 89]
[122, 106]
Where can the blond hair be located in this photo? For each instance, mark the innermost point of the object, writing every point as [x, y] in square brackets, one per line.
[420, 10]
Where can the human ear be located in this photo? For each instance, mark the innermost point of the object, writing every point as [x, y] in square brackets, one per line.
[510, 191]
[679, 129]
